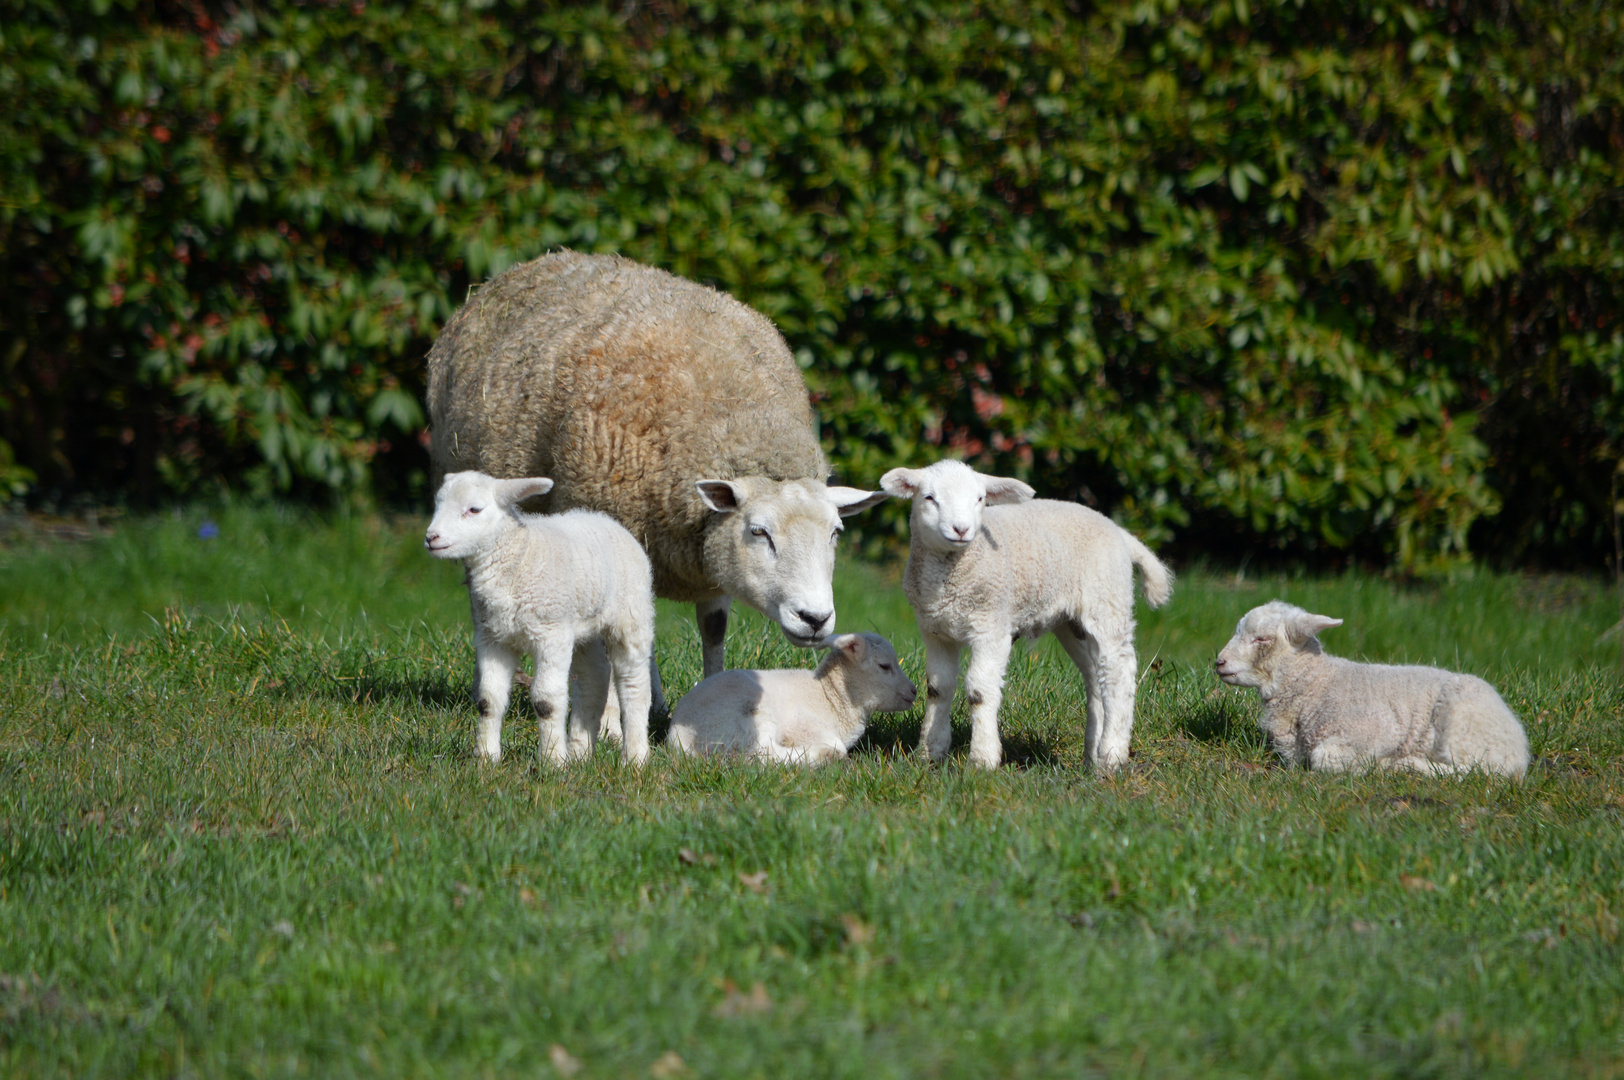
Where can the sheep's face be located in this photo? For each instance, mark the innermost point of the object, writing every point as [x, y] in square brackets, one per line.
[773, 546]
[876, 680]
[471, 510]
[1265, 638]
[948, 500]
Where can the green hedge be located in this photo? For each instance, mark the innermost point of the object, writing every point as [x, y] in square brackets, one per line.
[1304, 277]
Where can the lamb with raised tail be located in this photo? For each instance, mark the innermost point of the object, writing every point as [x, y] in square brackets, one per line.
[794, 716]
[988, 563]
[555, 586]
[1329, 713]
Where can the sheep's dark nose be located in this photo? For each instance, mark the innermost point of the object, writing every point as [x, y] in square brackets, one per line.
[816, 623]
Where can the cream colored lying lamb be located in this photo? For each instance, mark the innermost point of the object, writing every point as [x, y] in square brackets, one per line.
[1330, 713]
[807, 717]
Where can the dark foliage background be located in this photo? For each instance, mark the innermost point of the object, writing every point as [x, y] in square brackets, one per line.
[1312, 278]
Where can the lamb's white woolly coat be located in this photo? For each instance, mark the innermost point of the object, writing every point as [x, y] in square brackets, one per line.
[790, 715]
[1327, 712]
[987, 564]
[563, 588]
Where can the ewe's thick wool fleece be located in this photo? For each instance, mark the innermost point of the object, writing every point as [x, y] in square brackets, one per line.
[624, 384]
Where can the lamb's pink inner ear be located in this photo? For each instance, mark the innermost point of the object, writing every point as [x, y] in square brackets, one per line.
[1005, 489]
[853, 647]
[514, 492]
[903, 483]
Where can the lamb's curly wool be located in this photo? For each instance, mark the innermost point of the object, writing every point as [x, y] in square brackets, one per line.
[629, 386]
[566, 589]
[1331, 713]
[794, 716]
[987, 563]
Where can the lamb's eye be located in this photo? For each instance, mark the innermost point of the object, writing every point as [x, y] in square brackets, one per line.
[930, 498]
[475, 509]
[981, 498]
[885, 667]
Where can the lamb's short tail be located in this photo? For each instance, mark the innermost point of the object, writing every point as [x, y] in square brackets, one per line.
[1158, 578]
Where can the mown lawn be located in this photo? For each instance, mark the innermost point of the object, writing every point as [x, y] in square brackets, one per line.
[241, 833]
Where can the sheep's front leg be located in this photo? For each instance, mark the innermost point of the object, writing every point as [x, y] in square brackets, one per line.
[550, 694]
[630, 661]
[984, 690]
[494, 665]
[941, 680]
[712, 615]
[590, 700]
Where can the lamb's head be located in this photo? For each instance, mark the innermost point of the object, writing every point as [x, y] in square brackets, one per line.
[874, 677]
[472, 511]
[771, 543]
[1266, 639]
[948, 498]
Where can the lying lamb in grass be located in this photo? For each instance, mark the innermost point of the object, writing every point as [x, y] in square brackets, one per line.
[796, 716]
[982, 572]
[553, 586]
[1332, 713]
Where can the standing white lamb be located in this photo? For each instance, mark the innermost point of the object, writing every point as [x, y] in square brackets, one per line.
[555, 587]
[796, 716]
[673, 408]
[988, 564]
[1331, 713]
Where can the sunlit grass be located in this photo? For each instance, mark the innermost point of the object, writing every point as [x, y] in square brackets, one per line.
[241, 833]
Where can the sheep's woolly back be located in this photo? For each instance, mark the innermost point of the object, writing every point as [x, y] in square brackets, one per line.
[624, 384]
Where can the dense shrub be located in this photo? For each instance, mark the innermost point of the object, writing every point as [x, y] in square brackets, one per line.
[1307, 276]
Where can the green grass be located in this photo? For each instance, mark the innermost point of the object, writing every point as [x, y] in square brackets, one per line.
[241, 833]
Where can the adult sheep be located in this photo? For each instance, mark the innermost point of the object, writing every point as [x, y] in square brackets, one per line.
[668, 405]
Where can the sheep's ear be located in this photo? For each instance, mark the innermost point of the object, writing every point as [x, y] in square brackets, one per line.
[1299, 628]
[722, 496]
[849, 501]
[903, 483]
[511, 493]
[852, 645]
[1005, 489]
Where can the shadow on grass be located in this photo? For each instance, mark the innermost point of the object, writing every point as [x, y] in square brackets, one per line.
[1220, 720]
[896, 735]
[384, 688]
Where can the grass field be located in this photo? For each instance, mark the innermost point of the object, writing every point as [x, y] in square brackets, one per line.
[241, 834]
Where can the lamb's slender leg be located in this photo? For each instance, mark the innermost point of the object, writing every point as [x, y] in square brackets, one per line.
[941, 680]
[712, 615]
[550, 694]
[589, 698]
[629, 659]
[494, 665]
[1117, 679]
[984, 690]
[1085, 653]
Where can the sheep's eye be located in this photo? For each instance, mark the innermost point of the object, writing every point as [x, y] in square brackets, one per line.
[981, 498]
[758, 530]
[475, 509]
[930, 498]
[885, 667]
